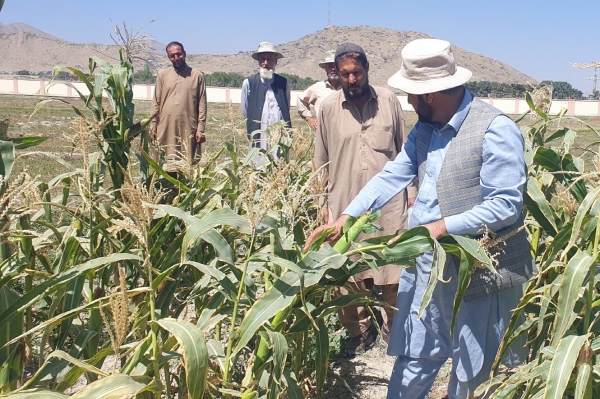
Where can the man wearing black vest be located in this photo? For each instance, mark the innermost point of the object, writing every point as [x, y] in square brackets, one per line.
[468, 158]
[265, 96]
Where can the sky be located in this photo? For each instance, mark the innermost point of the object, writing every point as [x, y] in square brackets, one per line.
[539, 38]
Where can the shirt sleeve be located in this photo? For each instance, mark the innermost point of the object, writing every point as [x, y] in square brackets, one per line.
[303, 102]
[244, 98]
[156, 103]
[202, 105]
[502, 180]
[395, 176]
[400, 139]
[321, 154]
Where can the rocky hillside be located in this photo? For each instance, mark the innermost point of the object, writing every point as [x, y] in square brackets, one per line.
[26, 49]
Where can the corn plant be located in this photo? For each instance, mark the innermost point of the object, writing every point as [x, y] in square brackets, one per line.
[114, 126]
[117, 281]
[561, 301]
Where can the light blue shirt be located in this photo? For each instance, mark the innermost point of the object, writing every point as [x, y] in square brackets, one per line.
[502, 177]
[481, 322]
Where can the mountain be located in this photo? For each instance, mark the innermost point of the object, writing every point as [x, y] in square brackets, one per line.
[36, 51]
[19, 27]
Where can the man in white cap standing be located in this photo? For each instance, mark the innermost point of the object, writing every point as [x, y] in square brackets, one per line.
[265, 96]
[468, 159]
[316, 93]
[361, 127]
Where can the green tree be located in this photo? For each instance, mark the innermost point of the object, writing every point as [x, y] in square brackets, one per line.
[23, 72]
[497, 89]
[298, 83]
[145, 76]
[564, 90]
[224, 79]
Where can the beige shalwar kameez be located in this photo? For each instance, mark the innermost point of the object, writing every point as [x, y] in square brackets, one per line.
[356, 148]
[180, 100]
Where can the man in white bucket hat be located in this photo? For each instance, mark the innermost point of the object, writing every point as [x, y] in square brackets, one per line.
[316, 93]
[265, 96]
[468, 159]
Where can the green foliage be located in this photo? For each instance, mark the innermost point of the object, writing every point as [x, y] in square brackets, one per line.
[232, 79]
[298, 83]
[561, 90]
[224, 79]
[23, 72]
[145, 76]
[218, 243]
[564, 90]
[116, 125]
[561, 303]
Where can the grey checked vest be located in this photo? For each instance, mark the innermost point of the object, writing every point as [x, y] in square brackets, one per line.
[458, 190]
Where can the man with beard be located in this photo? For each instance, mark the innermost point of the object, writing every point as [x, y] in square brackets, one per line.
[265, 96]
[468, 159]
[360, 129]
[179, 108]
[316, 93]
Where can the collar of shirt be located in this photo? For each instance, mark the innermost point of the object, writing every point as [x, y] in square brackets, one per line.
[459, 117]
[372, 95]
[330, 86]
[463, 110]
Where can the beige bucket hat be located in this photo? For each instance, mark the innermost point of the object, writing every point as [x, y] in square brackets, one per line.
[266, 47]
[427, 67]
[329, 59]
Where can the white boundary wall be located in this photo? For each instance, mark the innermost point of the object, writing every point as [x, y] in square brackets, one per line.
[225, 95]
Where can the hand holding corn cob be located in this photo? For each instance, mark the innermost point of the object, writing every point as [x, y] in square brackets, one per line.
[335, 232]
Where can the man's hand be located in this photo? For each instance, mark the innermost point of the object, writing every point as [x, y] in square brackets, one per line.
[437, 229]
[411, 202]
[312, 122]
[200, 137]
[333, 236]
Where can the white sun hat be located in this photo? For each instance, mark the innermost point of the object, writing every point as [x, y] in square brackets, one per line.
[329, 59]
[427, 67]
[266, 47]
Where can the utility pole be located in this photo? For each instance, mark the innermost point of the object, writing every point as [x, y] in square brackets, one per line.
[595, 78]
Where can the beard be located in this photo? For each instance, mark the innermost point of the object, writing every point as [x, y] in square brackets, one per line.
[266, 74]
[424, 111]
[179, 65]
[333, 76]
[359, 91]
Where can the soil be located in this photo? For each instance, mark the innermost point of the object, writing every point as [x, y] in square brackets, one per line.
[367, 376]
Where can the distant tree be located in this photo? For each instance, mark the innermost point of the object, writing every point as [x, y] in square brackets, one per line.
[145, 76]
[232, 79]
[62, 75]
[23, 72]
[298, 83]
[497, 89]
[563, 91]
[224, 79]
